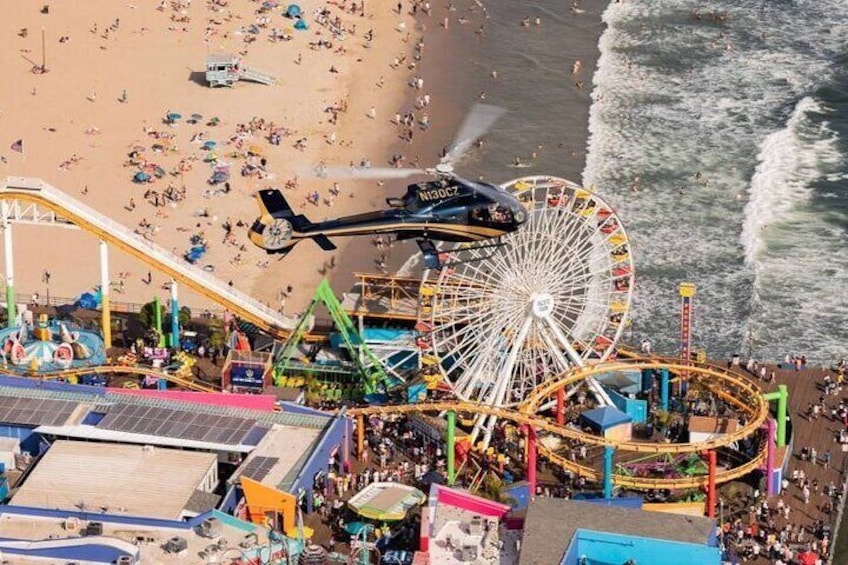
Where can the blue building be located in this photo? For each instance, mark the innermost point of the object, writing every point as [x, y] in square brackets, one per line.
[582, 533]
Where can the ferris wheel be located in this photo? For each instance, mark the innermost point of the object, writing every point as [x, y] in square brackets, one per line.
[555, 296]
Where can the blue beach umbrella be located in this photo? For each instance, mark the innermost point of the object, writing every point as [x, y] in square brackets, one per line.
[141, 177]
[208, 145]
[293, 11]
[173, 116]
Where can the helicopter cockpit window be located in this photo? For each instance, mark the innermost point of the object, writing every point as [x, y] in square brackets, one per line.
[491, 214]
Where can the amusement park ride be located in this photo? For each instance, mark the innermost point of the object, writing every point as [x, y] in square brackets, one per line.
[448, 208]
[511, 332]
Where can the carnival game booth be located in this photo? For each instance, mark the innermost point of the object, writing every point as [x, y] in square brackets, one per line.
[610, 422]
[247, 371]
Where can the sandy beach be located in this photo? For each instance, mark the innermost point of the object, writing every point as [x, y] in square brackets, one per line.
[97, 117]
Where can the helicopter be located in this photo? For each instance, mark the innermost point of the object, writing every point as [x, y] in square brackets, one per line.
[446, 208]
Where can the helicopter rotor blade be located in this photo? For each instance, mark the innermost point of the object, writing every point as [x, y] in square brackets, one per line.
[361, 172]
[476, 123]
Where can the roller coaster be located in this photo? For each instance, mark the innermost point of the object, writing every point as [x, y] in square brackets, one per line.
[735, 389]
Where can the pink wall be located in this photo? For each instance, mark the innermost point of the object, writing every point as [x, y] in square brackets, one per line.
[249, 401]
[470, 502]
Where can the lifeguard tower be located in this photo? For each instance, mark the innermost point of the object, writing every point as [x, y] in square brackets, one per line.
[223, 69]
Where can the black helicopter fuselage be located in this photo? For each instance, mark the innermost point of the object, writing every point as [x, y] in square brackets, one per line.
[441, 210]
[447, 209]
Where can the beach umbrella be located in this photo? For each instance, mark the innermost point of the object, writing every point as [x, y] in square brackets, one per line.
[301, 25]
[210, 157]
[255, 150]
[139, 148]
[173, 116]
[208, 145]
[141, 177]
[196, 117]
[214, 121]
[293, 11]
[159, 172]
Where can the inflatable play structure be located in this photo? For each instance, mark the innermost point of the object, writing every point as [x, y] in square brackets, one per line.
[49, 346]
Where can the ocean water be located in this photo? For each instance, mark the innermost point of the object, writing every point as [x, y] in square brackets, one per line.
[722, 142]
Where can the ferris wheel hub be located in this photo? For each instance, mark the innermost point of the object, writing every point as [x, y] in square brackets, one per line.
[542, 304]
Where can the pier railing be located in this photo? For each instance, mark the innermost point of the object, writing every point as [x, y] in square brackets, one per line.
[40, 192]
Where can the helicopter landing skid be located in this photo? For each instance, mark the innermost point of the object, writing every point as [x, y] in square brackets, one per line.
[433, 257]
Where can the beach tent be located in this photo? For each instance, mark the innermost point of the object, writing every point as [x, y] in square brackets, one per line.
[293, 11]
[301, 25]
[141, 177]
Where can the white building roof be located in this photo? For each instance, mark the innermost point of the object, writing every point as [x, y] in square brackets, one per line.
[102, 434]
[282, 448]
[129, 479]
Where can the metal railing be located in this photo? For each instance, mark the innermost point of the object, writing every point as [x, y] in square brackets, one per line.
[120, 306]
[36, 189]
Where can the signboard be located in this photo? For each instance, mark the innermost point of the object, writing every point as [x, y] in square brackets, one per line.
[247, 376]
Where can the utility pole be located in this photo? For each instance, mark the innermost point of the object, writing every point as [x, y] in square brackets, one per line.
[43, 52]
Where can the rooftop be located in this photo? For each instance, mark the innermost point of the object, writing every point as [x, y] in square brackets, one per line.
[713, 425]
[128, 479]
[605, 417]
[551, 523]
[102, 401]
[149, 540]
[280, 451]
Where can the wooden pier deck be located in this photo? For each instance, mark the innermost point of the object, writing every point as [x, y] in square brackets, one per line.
[805, 387]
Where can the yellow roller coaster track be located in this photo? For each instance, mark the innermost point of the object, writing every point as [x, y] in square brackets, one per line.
[543, 424]
[127, 370]
[40, 193]
[746, 396]
[739, 391]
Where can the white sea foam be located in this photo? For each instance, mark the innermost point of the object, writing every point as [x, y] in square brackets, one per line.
[789, 161]
[670, 100]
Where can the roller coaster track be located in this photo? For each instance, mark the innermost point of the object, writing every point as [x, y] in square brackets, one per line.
[745, 395]
[544, 424]
[740, 392]
[128, 370]
[37, 192]
[645, 483]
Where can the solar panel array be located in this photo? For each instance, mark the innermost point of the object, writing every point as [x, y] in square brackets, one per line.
[259, 467]
[35, 411]
[178, 424]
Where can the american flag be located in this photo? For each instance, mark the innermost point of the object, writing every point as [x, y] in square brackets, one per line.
[18, 146]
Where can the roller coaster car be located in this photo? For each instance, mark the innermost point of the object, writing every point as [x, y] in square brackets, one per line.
[446, 209]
